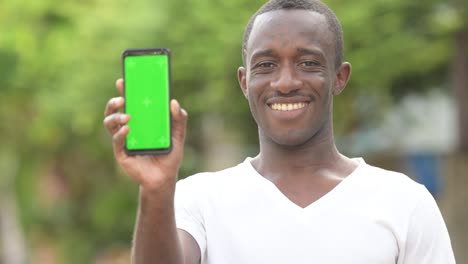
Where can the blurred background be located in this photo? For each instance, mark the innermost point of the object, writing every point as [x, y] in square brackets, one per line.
[63, 199]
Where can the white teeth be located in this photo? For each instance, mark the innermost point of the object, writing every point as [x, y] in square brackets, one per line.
[287, 107]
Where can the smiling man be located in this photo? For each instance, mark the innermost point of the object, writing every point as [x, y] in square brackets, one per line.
[299, 200]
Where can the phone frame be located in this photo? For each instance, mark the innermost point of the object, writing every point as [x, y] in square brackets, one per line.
[143, 52]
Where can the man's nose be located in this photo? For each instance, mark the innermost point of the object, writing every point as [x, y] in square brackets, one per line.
[287, 80]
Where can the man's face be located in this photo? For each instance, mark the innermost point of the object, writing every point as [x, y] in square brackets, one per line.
[289, 79]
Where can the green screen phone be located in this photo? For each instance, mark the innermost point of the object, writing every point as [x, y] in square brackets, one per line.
[147, 83]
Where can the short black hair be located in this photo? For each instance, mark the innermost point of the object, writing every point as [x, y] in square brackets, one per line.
[312, 5]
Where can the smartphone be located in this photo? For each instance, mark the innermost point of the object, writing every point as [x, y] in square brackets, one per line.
[147, 86]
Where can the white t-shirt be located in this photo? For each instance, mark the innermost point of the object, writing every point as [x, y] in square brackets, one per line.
[373, 216]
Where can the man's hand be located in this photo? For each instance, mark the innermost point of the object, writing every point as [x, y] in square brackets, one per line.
[153, 173]
[156, 236]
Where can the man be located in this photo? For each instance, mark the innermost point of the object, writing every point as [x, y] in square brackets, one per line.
[299, 200]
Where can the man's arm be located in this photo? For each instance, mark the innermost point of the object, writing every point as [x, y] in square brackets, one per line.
[189, 247]
[156, 236]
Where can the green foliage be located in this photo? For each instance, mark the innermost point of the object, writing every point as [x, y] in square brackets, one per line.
[59, 61]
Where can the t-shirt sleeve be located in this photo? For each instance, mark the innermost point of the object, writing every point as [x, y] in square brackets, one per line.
[427, 240]
[188, 212]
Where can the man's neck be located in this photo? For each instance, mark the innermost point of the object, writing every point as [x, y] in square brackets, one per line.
[316, 158]
[305, 173]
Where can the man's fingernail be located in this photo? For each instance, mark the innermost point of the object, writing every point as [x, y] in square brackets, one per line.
[176, 104]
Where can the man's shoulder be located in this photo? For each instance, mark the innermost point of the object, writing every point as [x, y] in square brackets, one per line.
[216, 178]
[382, 176]
[392, 185]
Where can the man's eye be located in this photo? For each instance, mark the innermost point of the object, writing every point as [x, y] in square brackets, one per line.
[266, 65]
[309, 63]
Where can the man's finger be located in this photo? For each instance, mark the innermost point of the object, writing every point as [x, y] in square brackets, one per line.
[114, 121]
[179, 124]
[119, 142]
[114, 105]
[119, 85]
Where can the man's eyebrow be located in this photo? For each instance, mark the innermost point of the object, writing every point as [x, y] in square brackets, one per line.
[305, 51]
[261, 53]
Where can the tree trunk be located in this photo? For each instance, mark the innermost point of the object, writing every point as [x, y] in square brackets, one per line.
[13, 249]
[460, 86]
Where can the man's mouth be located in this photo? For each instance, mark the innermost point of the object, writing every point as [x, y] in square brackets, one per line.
[288, 107]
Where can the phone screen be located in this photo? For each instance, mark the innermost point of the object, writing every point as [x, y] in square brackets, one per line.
[146, 91]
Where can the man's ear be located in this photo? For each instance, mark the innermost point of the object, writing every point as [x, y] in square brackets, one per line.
[342, 77]
[242, 77]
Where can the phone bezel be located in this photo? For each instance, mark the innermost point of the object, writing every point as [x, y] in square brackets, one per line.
[145, 52]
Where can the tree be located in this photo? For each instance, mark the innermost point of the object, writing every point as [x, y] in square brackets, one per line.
[59, 60]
